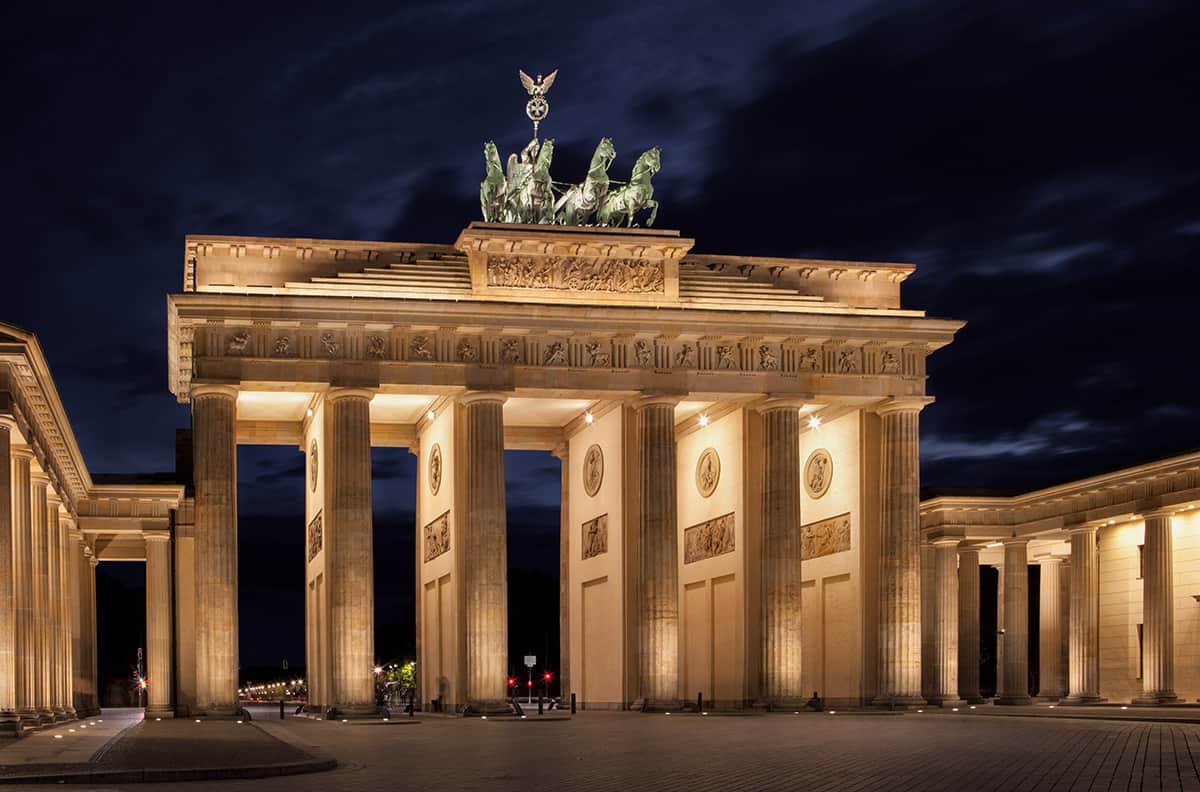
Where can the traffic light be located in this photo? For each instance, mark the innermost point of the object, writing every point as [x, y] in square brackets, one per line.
[512, 682]
[546, 676]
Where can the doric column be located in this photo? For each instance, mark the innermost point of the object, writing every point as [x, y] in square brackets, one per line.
[945, 654]
[92, 657]
[563, 452]
[485, 567]
[1016, 622]
[26, 648]
[10, 721]
[658, 554]
[54, 589]
[214, 449]
[1064, 619]
[968, 625]
[1084, 656]
[160, 682]
[899, 555]
[1158, 611]
[999, 629]
[929, 669]
[39, 510]
[1052, 677]
[66, 662]
[75, 592]
[349, 549]
[781, 611]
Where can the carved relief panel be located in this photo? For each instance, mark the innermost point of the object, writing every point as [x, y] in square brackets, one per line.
[595, 537]
[708, 472]
[437, 536]
[825, 537]
[818, 473]
[316, 538]
[435, 469]
[593, 470]
[708, 539]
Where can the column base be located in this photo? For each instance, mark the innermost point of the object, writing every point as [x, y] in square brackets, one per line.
[656, 705]
[10, 725]
[898, 702]
[946, 703]
[1013, 701]
[489, 707]
[163, 711]
[45, 716]
[976, 699]
[60, 714]
[1156, 699]
[221, 713]
[71, 713]
[783, 704]
[1082, 700]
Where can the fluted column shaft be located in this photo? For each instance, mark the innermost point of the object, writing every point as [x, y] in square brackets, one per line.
[89, 611]
[486, 567]
[1016, 622]
[214, 448]
[26, 647]
[66, 664]
[1052, 678]
[968, 625]
[563, 452]
[9, 719]
[658, 558]
[39, 510]
[76, 622]
[929, 669]
[781, 611]
[160, 682]
[54, 588]
[1158, 611]
[899, 562]
[1084, 654]
[351, 559]
[945, 654]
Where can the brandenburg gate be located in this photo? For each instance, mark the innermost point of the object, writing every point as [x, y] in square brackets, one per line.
[718, 418]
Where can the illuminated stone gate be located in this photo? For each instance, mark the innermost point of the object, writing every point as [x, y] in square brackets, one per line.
[719, 418]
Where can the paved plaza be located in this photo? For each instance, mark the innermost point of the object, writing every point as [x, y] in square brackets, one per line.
[620, 751]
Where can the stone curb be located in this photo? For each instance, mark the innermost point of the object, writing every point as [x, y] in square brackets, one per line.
[153, 775]
[1111, 717]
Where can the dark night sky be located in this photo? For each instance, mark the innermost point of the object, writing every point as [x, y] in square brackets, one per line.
[1037, 161]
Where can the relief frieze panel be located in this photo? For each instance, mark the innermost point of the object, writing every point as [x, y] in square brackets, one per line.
[437, 536]
[571, 273]
[316, 536]
[708, 539]
[595, 537]
[825, 537]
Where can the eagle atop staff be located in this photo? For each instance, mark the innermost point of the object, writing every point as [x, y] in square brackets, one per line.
[537, 108]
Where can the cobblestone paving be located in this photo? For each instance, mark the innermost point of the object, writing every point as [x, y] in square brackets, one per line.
[622, 751]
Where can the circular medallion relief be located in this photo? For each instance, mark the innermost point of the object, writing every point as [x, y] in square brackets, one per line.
[312, 465]
[708, 471]
[593, 470]
[435, 469]
[818, 473]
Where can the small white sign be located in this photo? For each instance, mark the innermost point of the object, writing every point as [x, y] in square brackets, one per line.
[530, 661]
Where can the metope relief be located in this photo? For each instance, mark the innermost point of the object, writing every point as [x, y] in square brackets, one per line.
[593, 470]
[329, 344]
[376, 347]
[708, 539]
[467, 350]
[420, 348]
[437, 537]
[316, 537]
[555, 354]
[818, 473]
[283, 347]
[598, 356]
[435, 469]
[595, 537]
[236, 345]
[708, 472]
[622, 276]
[825, 537]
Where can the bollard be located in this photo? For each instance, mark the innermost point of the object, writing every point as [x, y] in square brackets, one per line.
[700, 701]
[280, 709]
[572, 703]
[539, 704]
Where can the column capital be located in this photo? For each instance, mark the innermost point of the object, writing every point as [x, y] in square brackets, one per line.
[946, 541]
[228, 391]
[1015, 540]
[902, 404]
[561, 451]
[1084, 528]
[75, 534]
[53, 499]
[155, 535]
[22, 452]
[781, 403]
[476, 396]
[1165, 511]
[652, 399]
[9, 422]
[966, 549]
[39, 478]
[335, 394]
[1051, 560]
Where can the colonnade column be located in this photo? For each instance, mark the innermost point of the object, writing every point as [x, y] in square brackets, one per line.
[945, 653]
[89, 610]
[1084, 653]
[26, 645]
[54, 590]
[563, 452]
[39, 509]
[76, 589]
[485, 567]
[1052, 679]
[10, 721]
[658, 554]
[65, 660]
[1016, 622]
[214, 448]
[781, 611]
[968, 625]
[899, 555]
[159, 626]
[349, 547]
[1158, 611]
